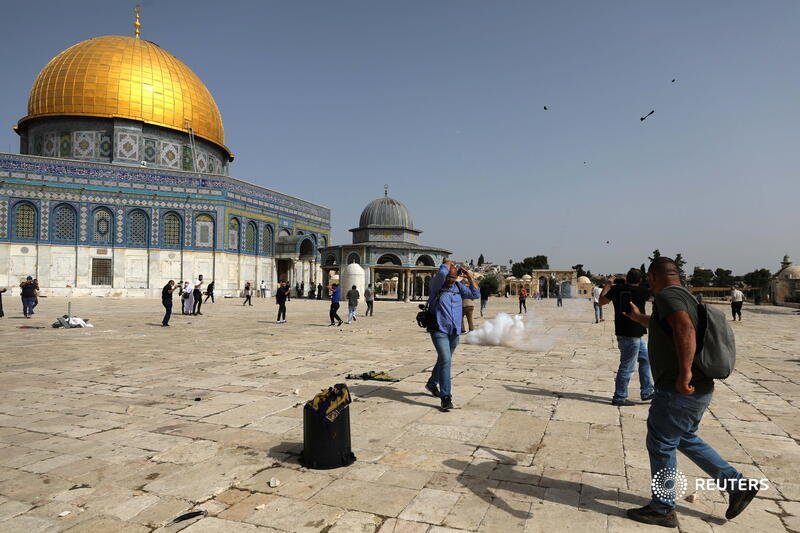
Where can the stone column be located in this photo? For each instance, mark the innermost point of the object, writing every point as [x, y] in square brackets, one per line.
[407, 283]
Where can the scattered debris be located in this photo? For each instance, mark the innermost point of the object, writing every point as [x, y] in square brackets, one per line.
[647, 115]
[296, 392]
[274, 482]
[189, 516]
[62, 514]
[545, 108]
[197, 399]
[262, 506]
[673, 81]
[373, 375]
[68, 322]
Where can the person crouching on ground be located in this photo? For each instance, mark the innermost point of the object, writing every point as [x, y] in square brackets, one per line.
[444, 303]
[682, 396]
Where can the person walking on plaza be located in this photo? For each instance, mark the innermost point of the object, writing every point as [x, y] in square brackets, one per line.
[369, 297]
[28, 296]
[334, 312]
[630, 341]
[166, 301]
[467, 309]
[297, 290]
[485, 293]
[187, 296]
[210, 292]
[197, 294]
[36, 298]
[281, 296]
[248, 294]
[682, 395]
[598, 309]
[352, 303]
[523, 295]
[302, 292]
[263, 289]
[319, 291]
[559, 301]
[2, 290]
[444, 303]
[737, 300]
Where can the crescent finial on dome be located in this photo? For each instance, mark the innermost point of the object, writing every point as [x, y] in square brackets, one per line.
[137, 26]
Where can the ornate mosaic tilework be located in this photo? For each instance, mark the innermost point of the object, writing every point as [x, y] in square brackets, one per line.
[104, 146]
[127, 146]
[170, 155]
[3, 219]
[186, 159]
[202, 159]
[154, 225]
[172, 230]
[37, 144]
[234, 190]
[45, 225]
[65, 144]
[120, 225]
[84, 221]
[83, 144]
[24, 221]
[150, 150]
[50, 147]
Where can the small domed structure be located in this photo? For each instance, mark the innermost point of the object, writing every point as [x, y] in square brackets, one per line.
[386, 213]
[584, 279]
[785, 286]
[792, 272]
[526, 277]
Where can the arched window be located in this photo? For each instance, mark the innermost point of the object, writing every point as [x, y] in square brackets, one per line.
[103, 225]
[64, 224]
[267, 240]
[323, 241]
[138, 230]
[172, 230]
[204, 231]
[353, 258]
[233, 234]
[284, 233]
[24, 221]
[250, 237]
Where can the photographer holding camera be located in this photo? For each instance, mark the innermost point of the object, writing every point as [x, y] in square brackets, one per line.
[444, 304]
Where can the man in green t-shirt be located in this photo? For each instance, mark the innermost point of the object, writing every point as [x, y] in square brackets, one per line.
[681, 397]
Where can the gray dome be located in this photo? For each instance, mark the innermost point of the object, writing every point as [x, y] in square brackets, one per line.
[386, 212]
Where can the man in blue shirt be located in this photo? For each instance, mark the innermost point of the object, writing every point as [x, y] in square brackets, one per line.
[335, 294]
[445, 304]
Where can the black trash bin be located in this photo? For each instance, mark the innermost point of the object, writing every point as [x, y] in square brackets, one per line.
[326, 444]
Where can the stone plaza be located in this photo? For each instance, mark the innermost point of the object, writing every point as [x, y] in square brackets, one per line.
[125, 426]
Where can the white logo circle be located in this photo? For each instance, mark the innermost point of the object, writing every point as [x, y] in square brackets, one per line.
[669, 484]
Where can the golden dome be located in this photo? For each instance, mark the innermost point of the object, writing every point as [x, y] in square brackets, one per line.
[124, 77]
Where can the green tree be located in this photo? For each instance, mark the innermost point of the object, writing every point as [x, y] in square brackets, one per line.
[723, 277]
[701, 277]
[680, 262]
[656, 255]
[760, 280]
[528, 265]
[579, 270]
[490, 282]
[480, 260]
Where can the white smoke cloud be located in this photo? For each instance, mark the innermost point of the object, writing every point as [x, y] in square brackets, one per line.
[513, 331]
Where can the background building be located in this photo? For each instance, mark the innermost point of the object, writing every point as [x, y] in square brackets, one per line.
[785, 286]
[385, 245]
[122, 184]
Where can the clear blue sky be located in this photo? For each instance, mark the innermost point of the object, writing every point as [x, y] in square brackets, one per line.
[443, 101]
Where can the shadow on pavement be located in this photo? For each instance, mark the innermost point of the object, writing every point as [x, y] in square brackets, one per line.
[560, 394]
[591, 498]
[389, 393]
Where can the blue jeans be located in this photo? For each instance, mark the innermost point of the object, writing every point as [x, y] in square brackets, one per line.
[27, 306]
[671, 423]
[598, 312]
[445, 346]
[632, 349]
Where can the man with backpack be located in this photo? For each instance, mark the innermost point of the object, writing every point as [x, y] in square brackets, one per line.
[682, 394]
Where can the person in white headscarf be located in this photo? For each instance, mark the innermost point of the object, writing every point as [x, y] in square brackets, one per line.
[188, 298]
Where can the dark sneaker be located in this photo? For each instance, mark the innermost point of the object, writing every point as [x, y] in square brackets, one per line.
[647, 398]
[622, 403]
[738, 501]
[447, 403]
[646, 515]
[433, 389]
